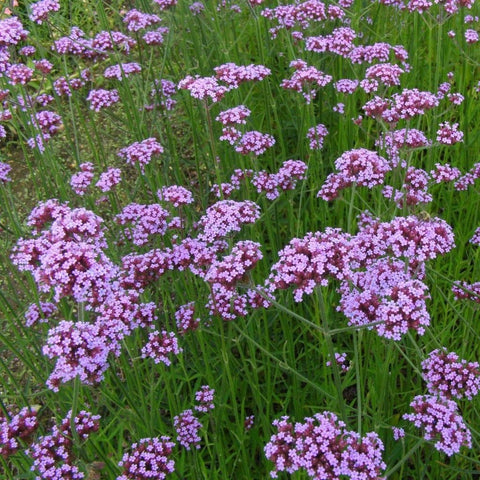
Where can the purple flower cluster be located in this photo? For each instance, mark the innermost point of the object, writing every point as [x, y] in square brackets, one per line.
[53, 454]
[405, 105]
[300, 16]
[233, 268]
[141, 153]
[68, 256]
[42, 9]
[81, 350]
[81, 181]
[360, 166]
[142, 221]
[225, 274]
[187, 426]
[15, 427]
[397, 140]
[162, 93]
[413, 191]
[160, 345]
[469, 291]
[448, 134]
[254, 142]
[11, 31]
[233, 75]
[339, 42]
[441, 422]
[19, 74]
[310, 261]
[384, 293]
[316, 135]
[468, 178]
[379, 269]
[226, 189]
[449, 376]
[285, 179]
[324, 448]
[148, 460]
[109, 179]
[102, 98]
[306, 80]
[444, 173]
[203, 87]
[122, 70]
[205, 399]
[341, 361]
[137, 20]
[5, 169]
[185, 320]
[387, 73]
[156, 37]
[39, 313]
[346, 85]
[177, 195]
[234, 116]
[63, 86]
[225, 217]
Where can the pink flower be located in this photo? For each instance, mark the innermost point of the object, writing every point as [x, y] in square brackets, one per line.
[441, 422]
[448, 134]
[254, 142]
[102, 98]
[160, 346]
[141, 153]
[203, 87]
[148, 460]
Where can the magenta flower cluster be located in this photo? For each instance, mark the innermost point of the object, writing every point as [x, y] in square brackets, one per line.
[15, 427]
[441, 423]
[360, 166]
[324, 448]
[306, 80]
[187, 427]
[380, 270]
[142, 221]
[149, 459]
[272, 184]
[449, 376]
[141, 153]
[52, 454]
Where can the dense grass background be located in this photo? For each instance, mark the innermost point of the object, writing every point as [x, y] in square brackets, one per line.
[273, 361]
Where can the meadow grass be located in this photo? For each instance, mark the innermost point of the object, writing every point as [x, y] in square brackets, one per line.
[262, 344]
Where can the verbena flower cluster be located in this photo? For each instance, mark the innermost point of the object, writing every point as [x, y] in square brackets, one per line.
[52, 454]
[15, 427]
[324, 448]
[92, 294]
[449, 376]
[149, 459]
[441, 423]
[380, 270]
